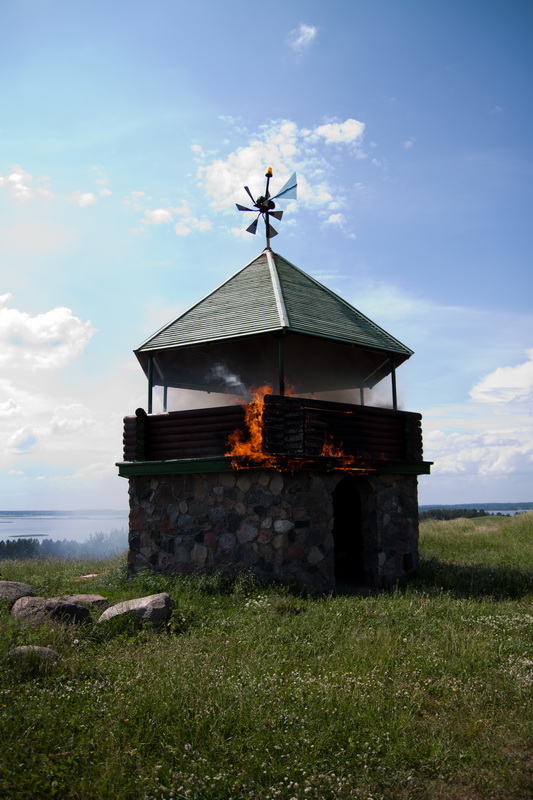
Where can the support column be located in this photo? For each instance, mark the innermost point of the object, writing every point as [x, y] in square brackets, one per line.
[150, 381]
[393, 379]
[281, 364]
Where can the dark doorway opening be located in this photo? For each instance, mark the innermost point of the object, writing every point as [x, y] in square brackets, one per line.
[348, 534]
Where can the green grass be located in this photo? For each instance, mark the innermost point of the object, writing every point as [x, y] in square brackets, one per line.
[257, 692]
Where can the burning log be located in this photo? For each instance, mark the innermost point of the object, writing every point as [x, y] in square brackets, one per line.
[248, 445]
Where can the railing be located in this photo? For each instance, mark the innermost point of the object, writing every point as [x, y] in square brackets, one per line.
[291, 426]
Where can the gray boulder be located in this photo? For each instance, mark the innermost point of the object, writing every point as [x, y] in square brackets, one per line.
[12, 590]
[31, 653]
[93, 601]
[40, 609]
[154, 608]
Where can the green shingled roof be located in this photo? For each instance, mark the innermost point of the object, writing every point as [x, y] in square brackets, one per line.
[270, 294]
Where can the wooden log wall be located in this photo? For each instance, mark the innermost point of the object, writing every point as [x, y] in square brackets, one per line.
[292, 426]
[180, 434]
[363, 431]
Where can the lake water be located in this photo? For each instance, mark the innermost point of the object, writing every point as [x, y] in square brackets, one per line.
[76, 526]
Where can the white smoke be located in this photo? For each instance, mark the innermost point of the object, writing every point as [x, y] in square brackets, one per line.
[229, 379]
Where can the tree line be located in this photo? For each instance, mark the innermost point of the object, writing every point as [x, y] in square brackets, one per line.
[454, 513]
[99, 545]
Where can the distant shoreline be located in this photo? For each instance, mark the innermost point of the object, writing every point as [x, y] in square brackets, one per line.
[528, 506]
[62, 512]
[523, 506]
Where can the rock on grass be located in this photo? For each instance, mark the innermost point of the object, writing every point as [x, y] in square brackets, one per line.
[12, 590]
[41, 609]
[155, 608]
[93, 601]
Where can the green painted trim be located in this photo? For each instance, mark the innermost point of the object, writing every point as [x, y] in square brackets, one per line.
[409, 468]
[178, 466]
[185, 466]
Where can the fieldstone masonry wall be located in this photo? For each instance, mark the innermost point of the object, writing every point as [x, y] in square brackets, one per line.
[279, 524]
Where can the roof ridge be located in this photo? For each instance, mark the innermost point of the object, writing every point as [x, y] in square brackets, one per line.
[278, 290]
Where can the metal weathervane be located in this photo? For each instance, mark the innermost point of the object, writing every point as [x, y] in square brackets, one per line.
[264, 205]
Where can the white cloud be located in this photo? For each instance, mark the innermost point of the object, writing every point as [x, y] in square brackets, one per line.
[302, 37]
[20, 185]
[71, 418]
[335, 219]
[134, 197]
[490, 436]
[198, 151]
[409, 143]
[287, 149]
[45, 341]
[10, 408]
[236, 124]
[189, 223]
[22, 440]
[186, 222]
[239, 233]
[105, 192]
[351, 130]
[275, 147]
[157, 216]
[201, 224]
[84, 198]
[505, 384]
[500, 452]
[102, 178]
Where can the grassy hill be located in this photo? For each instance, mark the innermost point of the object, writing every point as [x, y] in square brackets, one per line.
[258, 692]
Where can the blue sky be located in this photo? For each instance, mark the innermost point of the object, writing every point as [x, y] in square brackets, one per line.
[127, 131]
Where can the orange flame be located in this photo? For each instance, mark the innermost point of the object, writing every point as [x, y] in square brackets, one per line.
[331, 449]
[249, 445]
[345, 462]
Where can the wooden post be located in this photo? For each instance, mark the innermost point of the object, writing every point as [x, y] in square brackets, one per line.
[140, 435]
[281, 365]
[362, 395]
[393, 378]
[150, 381]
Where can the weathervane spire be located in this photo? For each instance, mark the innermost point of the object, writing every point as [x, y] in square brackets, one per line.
[264, 205]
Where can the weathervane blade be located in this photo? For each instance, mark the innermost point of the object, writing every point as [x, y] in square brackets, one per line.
[248, 192]
[288, 191]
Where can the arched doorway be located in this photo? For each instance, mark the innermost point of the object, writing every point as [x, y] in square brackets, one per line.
[348, 533]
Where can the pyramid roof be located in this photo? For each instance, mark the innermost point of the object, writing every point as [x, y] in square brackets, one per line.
[271, 295]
